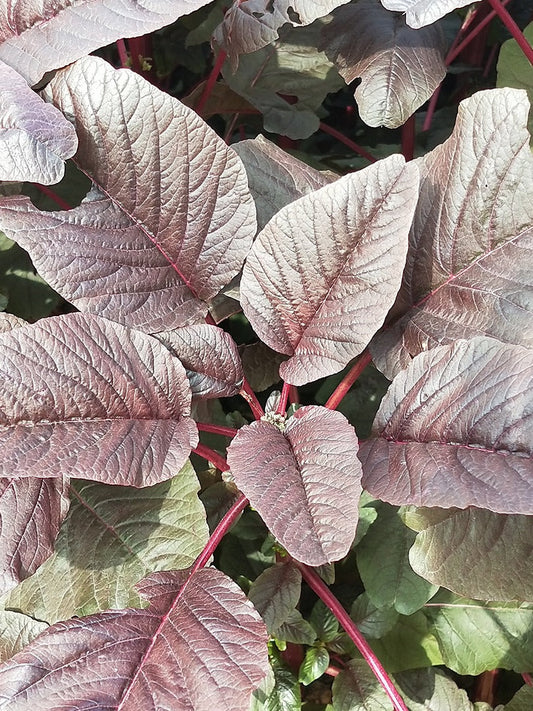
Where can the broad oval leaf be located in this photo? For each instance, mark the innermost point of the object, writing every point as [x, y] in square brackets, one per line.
[88, 398]
[423, 12]
[325, 270]
[200, 645]
[304, 481]
[210, 357]
[156, 245]
[275, 594]
[468, 269]
[31, 513]
[456, 429]
[400, 67]
[37, 36]
[35, 138]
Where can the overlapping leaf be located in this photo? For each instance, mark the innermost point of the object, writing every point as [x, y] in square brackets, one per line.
[31, 512]
[304, 481]
[275, 594]
[173, 655]
[456, 429]
[423, 12]
[431, 690]
[469, 263]
[325, 270]
[16, 631]
[41, 35]
[35, 138]
[153, 246]
[400, 67]
[210, 357]
[88, 398]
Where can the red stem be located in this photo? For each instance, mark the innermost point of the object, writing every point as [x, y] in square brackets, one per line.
[513, 28]
[455, 52]
[53, 196]
[294, 398]
[408, 138]
[211, 81]
[347, 142]
[527, 678]
[122, 53]
[216, 429]
[316, 583]
[349, 379]
[214, 457]
[220, 531]
[282, 405]
[332, 671]
[248, 394]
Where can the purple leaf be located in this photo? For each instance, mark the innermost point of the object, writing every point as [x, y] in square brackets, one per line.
[455, 429]
[35, 138]
[468, 268]
[40, 35]
[325, 270]
[85, 397]
[304, 481]
[210, 357]
[151, 248]
[31, 512]
[423, 12]
[400, 67]
[200, 645]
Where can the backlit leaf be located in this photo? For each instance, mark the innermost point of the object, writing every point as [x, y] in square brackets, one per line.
[324, 271]
[303, 481]
[16, 631]
[455, 429]
[423, 12]
[199, 645]
[400, 68]
[123, 419]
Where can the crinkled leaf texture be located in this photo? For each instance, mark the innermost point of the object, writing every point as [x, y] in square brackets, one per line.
[303, 481]
[456, 429]
[325, 270]
[400, 68]
[250, 25]
[37, 36]
[31, 512]
[200, 645]
[468, 269]
[423, 12]
[35, 138]
[210, 357]
[16, 631]
[171, 219]
[275, 594]
[89, 398]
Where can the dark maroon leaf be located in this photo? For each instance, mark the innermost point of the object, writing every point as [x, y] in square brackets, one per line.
[423, 12]
[35, 138]
[303, 477]
[456, 429]
[31, 512]
[325, 270]
[39, 35]
[200, 645]
[468, 268]
[210, 357]
[400, 67]
[88, 398]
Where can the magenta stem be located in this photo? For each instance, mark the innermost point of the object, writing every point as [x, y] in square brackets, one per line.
[282, 405]
[294, 398]
[513, 28]
[211, 81]
[122, 53]
[53, 196]
[214, 457]
[527, 678]
[349, 379]
[347, 142]
[220, 531]
[455, 52]
[216, 429]
[316, 584]
[248, 394]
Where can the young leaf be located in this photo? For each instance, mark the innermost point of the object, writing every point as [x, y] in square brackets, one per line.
[40, 36]
[325, 270]
[113, 537]
[304, 482]
[16, 631]
[315, 663]
[210, 358]
[31, 513]
[455, 429]
[275, 594]
[199, 645]
[155, 245]
[35, 139]
[471, 552]
[419, 13]
[357, 689]
[400, 68]
[468, 269]
[85, 397]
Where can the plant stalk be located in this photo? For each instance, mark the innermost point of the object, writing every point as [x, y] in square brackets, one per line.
[347, 142]
[211, 81]
[284, 397]
[45, 190]
[513, 28]
[216, 429]
[349, 379]
[220, 531]
[211, 456]
[248, 394]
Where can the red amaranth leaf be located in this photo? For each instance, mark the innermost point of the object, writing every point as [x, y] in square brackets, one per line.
[87, 398]
[304, 481]
[200, 645]
[455, 430]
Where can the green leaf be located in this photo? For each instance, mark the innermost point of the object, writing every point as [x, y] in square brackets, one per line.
[275, 593]
[284, 695]
[514, 69]
[296, 630]
[472, 552]
[383, 562]
[431, 690]
[357, 689]
[373, 622]
[114, 536]
[16, 631]
[522, 700]
[315, 663]
[476, 636]
[324, 622]
[367, 516]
